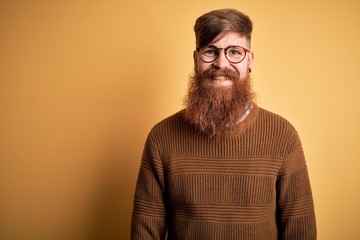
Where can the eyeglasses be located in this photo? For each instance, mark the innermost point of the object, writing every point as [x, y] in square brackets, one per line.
[234, 54]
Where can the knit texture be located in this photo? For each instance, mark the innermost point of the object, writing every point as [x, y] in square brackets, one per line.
[251, 186]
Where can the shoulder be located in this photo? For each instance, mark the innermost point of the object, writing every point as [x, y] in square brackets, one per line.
[272, 127]
[275, 128]
[172, 125]
[274, 121]
[168, 123]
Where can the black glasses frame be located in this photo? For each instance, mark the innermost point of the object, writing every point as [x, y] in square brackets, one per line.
[218, 50]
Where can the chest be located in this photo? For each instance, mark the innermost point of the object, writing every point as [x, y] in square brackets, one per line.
[232, 180]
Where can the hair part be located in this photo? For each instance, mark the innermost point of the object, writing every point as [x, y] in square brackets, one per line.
[212, 24]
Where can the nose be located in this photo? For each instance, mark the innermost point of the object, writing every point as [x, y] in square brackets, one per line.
[221, 61]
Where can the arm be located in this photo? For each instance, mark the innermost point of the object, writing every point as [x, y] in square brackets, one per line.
[295, 208]
[149, 211]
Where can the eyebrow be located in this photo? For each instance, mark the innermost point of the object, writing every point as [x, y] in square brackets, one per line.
[210, 45]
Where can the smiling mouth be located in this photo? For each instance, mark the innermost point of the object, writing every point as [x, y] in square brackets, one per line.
[220, 78]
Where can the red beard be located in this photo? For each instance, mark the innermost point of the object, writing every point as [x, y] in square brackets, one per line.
[211, 108]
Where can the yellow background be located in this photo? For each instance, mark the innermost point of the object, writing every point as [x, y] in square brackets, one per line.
[82, 83]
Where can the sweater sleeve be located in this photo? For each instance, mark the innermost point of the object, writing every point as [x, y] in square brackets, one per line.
[295, 208]
[149, 210]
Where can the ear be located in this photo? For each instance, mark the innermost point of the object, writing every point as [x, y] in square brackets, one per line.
[251, 59]
[195, 55]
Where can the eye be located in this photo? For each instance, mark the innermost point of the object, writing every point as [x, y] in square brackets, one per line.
[235, 52]
[209, 51]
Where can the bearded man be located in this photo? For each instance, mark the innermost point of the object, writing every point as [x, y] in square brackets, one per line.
[223, 168]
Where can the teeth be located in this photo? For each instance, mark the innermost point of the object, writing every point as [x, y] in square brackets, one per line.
[220, 78]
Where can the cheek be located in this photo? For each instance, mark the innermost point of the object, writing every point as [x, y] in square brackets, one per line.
[243, 69]
[200, 67]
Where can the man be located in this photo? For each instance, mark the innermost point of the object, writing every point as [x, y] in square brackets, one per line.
[223, 168]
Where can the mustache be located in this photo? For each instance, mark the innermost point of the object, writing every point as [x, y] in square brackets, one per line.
[212, 73]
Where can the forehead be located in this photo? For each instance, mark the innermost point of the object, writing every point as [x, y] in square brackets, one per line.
[229, 38]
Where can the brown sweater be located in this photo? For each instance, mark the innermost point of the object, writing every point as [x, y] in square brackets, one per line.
[251, 186]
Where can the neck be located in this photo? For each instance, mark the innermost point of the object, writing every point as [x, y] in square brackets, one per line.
[248, 108]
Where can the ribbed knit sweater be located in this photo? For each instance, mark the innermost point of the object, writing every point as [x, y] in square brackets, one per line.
[254, 185]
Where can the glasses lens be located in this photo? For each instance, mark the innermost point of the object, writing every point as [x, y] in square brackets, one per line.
[208, 54]
[235, 54]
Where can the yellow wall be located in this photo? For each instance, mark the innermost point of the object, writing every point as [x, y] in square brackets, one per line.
[82, 83]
